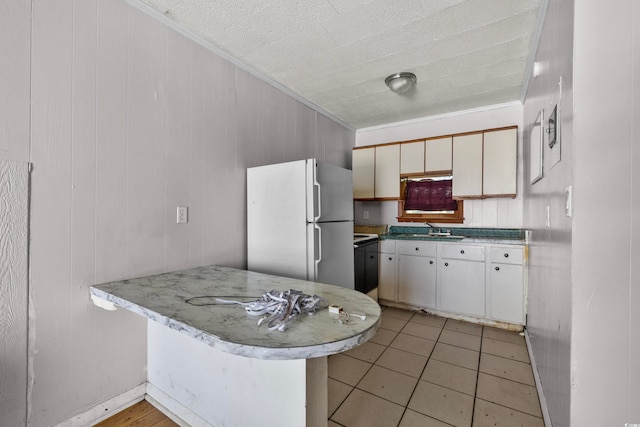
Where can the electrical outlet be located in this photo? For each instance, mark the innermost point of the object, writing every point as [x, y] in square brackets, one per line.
[365, 214]
[182, 215]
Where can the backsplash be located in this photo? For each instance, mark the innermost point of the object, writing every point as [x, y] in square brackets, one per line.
[487, 213]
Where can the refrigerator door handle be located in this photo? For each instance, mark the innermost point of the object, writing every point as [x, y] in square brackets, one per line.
[319, 205]
[319, 259]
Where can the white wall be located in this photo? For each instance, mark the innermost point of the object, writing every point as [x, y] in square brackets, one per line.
[494, 212]
[15, 25]
[129, 120]
[584, 285]
[605, 351]
[550, 251]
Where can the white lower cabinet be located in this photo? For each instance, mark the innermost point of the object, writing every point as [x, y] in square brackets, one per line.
[417, 273]
[461, 278]
[387, 273]
[461, 286]
[417, 280]
[486, 281]
[505, 285]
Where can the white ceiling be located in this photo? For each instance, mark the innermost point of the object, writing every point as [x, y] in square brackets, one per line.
[336, 53]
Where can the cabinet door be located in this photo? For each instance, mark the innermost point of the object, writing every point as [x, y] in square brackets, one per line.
[363, 165]
[412, 157]
[461, 286]
[387, 172]
[467, 166]
[505, 293]
[500, 159]
[438, 155]
[417, 281]
[387, 277]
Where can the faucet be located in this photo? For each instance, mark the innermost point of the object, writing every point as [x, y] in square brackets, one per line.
[433, 229]
[438, 230]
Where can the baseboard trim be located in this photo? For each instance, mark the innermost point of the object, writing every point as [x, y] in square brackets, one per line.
[173, 409]
[543, 402]
[107, 409]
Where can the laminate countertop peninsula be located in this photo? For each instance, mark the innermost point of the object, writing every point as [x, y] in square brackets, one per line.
[209, 363]
[186, 302]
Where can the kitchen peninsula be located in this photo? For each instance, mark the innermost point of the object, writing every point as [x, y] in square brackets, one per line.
[211, 364]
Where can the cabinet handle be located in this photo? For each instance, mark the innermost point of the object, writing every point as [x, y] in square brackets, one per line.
[461, 251]
[417, 249]
[430, 262]
[390, 259]
[506, 255]
[497, 268]
[446, 264]
[371, 257]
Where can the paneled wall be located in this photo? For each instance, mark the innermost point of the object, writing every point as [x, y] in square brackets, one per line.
[15, 26]
[605, 345]
[584, 286]
[129, 120]
[550, 251]
[493, 212]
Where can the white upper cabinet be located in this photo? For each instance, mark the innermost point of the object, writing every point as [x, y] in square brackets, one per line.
[438, 154]
[467, 166]
[363, 173]
[500, 160]
[387, 172]
[483, 164]
[412, 158]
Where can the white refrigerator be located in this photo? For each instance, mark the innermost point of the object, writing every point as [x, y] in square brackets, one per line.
[300, 221]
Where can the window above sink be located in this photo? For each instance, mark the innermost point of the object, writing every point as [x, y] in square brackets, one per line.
[428, 199]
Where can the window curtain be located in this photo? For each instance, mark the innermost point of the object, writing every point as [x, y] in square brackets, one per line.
[429, 195]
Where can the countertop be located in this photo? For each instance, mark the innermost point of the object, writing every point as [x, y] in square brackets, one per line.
[505, 236]
[229, 328]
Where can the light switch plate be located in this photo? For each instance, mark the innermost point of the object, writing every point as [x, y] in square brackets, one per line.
[568, 204]
[547, 216]
[182, 215]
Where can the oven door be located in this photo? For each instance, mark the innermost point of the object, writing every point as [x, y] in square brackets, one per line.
[366, 266]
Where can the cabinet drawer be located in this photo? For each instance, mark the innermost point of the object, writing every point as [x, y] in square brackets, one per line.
[414, 247]
[465, 252]
[507, 255]
[388, 246]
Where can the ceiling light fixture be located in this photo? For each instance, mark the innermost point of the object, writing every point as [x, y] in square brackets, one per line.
[401, 82]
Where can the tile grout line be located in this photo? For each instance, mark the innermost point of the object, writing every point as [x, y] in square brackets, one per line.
[475, 394]
[510, 408]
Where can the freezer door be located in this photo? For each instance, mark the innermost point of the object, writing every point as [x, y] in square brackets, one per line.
[330, 249]
[276, 219]
[329, 192]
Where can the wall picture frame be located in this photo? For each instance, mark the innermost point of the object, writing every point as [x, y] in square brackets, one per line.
[536, 144]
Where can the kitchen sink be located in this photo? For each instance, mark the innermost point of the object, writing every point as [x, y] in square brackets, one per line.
[432, 235]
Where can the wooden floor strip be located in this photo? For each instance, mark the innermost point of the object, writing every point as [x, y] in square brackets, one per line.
[142, 414]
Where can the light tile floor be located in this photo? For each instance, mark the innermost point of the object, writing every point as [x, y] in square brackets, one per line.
[422, 370]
